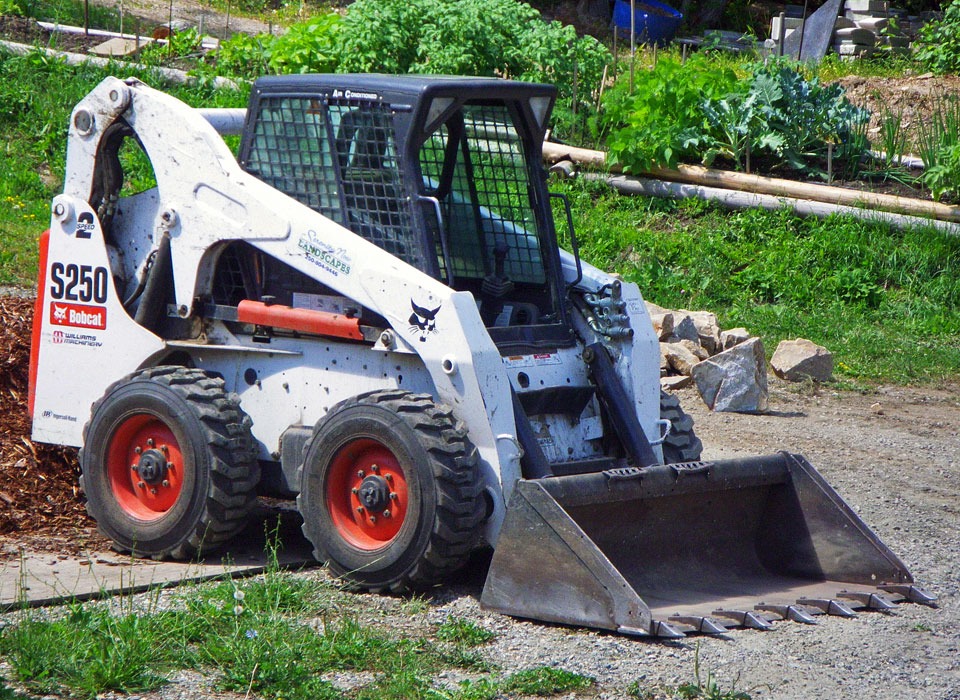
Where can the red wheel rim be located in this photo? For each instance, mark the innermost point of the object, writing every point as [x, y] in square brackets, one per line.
[357, 468]
[145, 467]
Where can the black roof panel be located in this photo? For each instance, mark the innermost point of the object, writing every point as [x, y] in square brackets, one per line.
[398, 87]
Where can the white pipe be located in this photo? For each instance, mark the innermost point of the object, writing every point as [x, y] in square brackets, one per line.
[76, 59]
[734, 199]
[228, 121]
[207, 42]
[912, 162]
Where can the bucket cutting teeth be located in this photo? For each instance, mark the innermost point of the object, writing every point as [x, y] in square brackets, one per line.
[661, 629]
[744, 618]
[870, 601]
[914, 594]
[828, 606]
[791, 612]
[699, 624]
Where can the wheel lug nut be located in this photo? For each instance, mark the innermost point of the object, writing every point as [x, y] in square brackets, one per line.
[373, 519]
[360, 474]
[138, 450]
[134, 467]
[354, 491]
[150, 442]
[164, 449]
[166, 484]
[375, 468]
[360, 509]
[386, 513]
[141, 485]
[393, 496]
[388, 477]
[153, 491]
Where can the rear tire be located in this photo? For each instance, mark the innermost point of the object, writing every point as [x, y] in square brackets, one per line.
[390, 491]
[168, 463]
[682, 444]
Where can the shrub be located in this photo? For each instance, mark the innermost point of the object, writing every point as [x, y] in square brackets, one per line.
[938, 46]
[307, 47]
[502, 38]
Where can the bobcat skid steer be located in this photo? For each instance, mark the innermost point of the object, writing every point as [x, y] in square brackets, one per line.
[368, 310]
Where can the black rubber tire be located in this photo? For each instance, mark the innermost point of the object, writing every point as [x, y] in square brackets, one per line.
[682, 444]
[441, 521]
[219, 474]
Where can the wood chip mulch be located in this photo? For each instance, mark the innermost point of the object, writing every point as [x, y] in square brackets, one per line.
[39, 484]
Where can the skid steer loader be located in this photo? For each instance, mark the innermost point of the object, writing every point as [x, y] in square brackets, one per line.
[368, 310]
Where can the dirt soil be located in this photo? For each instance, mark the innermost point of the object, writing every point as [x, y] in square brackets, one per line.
[912, 97]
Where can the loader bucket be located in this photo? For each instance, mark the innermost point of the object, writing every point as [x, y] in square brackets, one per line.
[669, 549]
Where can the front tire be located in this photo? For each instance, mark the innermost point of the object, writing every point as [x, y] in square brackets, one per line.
[682, 444]
[168, 463]
[390, 491]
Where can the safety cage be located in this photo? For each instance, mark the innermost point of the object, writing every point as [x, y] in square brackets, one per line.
[441, 174]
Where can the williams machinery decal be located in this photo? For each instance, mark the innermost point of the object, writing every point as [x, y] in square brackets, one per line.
[67, 338]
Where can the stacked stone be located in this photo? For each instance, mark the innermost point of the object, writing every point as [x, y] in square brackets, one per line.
[887, 24]
[866, 27]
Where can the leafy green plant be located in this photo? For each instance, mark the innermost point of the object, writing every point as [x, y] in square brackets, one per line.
[943, 176]
[694, 112]
[659, 122]
[938, 45]
[306, 47]
[180, 45]
[800, 116]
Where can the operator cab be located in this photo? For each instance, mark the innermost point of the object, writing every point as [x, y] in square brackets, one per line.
[443, 173]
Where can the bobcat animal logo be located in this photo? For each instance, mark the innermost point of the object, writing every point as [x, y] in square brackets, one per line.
[423, 321]
[59, 313]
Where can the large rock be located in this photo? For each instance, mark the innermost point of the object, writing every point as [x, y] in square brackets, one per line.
[796, 360]
[733, 337]
[734, 380]
[675, 382]
[679, 357]
[708, 330]
[662, 325]
[685, 327]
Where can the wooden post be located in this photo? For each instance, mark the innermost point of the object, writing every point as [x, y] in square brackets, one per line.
[782, 34]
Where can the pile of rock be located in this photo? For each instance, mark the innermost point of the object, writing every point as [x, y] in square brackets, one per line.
[728, 366]
[866, 27]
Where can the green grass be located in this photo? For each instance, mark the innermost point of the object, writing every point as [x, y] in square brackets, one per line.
[885, 301]
[274, 636]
